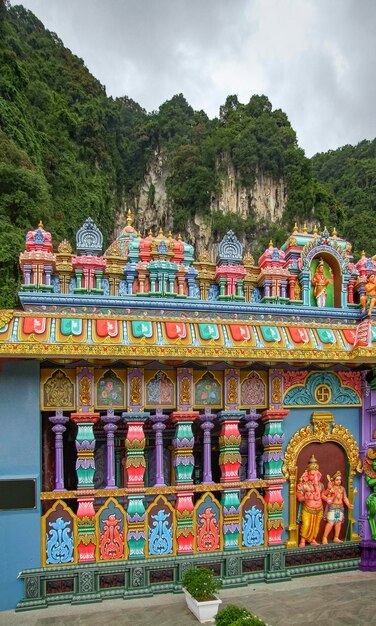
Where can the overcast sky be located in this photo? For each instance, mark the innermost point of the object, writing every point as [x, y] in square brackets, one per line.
[315, 59]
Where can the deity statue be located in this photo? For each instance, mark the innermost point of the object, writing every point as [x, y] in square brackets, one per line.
[335, 497]
[369, 467]
[370, 295]
[309, 494]
[320, 282]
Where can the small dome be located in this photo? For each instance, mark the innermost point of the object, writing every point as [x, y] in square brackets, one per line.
[39, 239]
[272, 257]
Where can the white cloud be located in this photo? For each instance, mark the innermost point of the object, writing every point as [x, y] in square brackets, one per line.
[312, 58]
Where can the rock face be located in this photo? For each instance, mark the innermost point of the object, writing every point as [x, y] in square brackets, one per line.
[153, 207]
[266, 199]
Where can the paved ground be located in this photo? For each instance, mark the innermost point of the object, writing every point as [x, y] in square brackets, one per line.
[346, 599]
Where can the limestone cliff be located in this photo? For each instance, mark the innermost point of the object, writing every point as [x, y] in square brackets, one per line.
[266, 199]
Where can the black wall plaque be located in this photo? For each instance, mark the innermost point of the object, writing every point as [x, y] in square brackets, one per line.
[18, 493]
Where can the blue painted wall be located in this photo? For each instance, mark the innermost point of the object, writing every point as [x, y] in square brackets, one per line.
[346, 416]
[20, 457]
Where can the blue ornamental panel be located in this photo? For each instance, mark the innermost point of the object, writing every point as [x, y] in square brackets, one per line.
[160, 529]
[253, 521]
[59, 540]
[253, 528]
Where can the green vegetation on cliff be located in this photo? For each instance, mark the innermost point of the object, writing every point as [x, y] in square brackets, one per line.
[350, 174]
[68, 151]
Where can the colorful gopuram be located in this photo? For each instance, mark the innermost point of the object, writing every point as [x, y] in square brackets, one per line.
[161, 411]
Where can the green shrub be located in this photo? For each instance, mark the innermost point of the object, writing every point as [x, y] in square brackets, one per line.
[229, 615]
[200, 583]
[234, 615]
[249, 620]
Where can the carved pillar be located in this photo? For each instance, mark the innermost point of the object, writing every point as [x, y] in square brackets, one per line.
[183, 445]
[135, 444]
[251, 425]
[158, 426]
[98, 279]
[230, 461]
[191, 280]
[130, 276]
[239, 289]
[222, 287]
[27, 268]
[181, 283]
[350, 291]
[110, 427]
[85, 467]
[207, 425]
[184, 464]
[229, 445]
[267, 287]
[58, 420]
[292, 280]
[273, 460]
[85, 445]
[305, 283]
[230, 501]
[48, 272]
[283, 288]
[136, 518]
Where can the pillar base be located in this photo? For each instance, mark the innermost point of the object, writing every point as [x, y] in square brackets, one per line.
[368, 556]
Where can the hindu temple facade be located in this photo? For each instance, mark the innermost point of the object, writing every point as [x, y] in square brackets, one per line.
[159, 411]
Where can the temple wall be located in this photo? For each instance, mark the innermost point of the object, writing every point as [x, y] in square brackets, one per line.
[20, 454]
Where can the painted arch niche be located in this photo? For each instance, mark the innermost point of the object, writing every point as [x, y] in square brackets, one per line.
[334, 448]
[326, 265]
[330, 457]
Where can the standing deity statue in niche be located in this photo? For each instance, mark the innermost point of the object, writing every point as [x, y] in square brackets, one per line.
[370, 296]
[320, 283]
[309, 493]
[369, 467]
[335, 497]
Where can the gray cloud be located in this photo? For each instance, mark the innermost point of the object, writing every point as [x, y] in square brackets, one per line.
[312, 58]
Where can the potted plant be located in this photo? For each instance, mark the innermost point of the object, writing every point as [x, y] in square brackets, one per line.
[200, 587]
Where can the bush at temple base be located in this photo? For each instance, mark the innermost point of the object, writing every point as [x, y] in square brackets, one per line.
[234, 615]
[201, 584]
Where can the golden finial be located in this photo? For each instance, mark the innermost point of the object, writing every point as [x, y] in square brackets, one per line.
[150, 233]
[170, 235]
[271, 244]
[295, 228]
[179, 237]
[315, 230]
[139, 235]
[129, 218]
[40, 225]
[363, 253]
[334, 233]
[305, 229]
[160, 233]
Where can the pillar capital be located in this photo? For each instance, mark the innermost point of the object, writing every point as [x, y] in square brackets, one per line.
[135, 445]
[184, 416]
[84, 418]
[274, 414]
